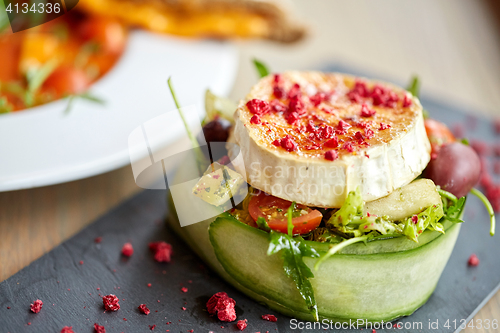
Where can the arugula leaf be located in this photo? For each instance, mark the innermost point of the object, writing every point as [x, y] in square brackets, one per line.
[488, 206]
[261, 68]
[414, 87]
[293, 249]
[352, 207]
[85, 95]
[262, 224]
[289, 215]
[430, 216]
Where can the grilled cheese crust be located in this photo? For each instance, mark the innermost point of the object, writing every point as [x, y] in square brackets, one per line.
[347, 132]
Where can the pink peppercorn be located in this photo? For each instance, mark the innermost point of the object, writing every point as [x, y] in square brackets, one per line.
[127, 250]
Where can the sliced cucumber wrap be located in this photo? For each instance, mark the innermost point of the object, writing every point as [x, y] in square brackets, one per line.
[383, 280]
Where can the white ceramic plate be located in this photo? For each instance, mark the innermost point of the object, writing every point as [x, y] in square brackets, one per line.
[43, 146]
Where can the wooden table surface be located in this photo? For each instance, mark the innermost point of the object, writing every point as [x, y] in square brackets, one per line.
[454, 46]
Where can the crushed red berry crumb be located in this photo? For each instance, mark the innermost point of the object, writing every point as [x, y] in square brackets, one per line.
[255, 120]
[277, 106]
[152, 327]
[342, 127]
[270, 317]
[414, 219]
[407, 102]
[127, 250]
[288, 143]
[81, 262]
[366, 112]
[473, 260]
[348, 146]
[110, 302]
[98, 240]
[99, 329]
[184, 289]
[144, 309]
[242, 324]
[332, 143]
[258, 107]
[149, 285]
[222, 305]
[383, 126]
[67, 329]
[292, 117]
[36, 306]
[163, 251]
[331, 155]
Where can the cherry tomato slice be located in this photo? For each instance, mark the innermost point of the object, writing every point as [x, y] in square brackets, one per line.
[66, 81]
[108, 33]
[273, 210]
[439, 134]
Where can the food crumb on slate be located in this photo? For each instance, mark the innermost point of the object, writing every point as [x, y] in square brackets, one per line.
[149, 285]
[473, 260]
[67, 329]
[184, 289]
[270, 317]
[81, 262]
[98, 240]
[222, 305]
[127, 250]
[152, 327]
[242, 324]
[144, 309]
[111, 302]
[162, 251]
[99, 329]
[36, 306]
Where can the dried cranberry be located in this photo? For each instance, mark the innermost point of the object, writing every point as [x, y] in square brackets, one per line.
[270, 317]
[67, 329]
[163, 252]
[222, 305]
[358, 136]
[288, 143]
[277, 106]
[473, 260]
[36, 306]
[342, 127]
[332, 143]
[144, 309]
[379, 95]
[255, 120]
[110, 302]
[296, 105]
[383, 127]
[391, 100]
[407, 102]
[294, 91]
[366, 112]
[326, 132]
[279, 92]
[257, 106]
[331, 155]
[242, 324]
[99, 329]
[127, 250]
[348, 146]
[358, 92]
[319, 97]
[292, 117]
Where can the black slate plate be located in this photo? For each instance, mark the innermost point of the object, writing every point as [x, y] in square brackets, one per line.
[69, 289]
